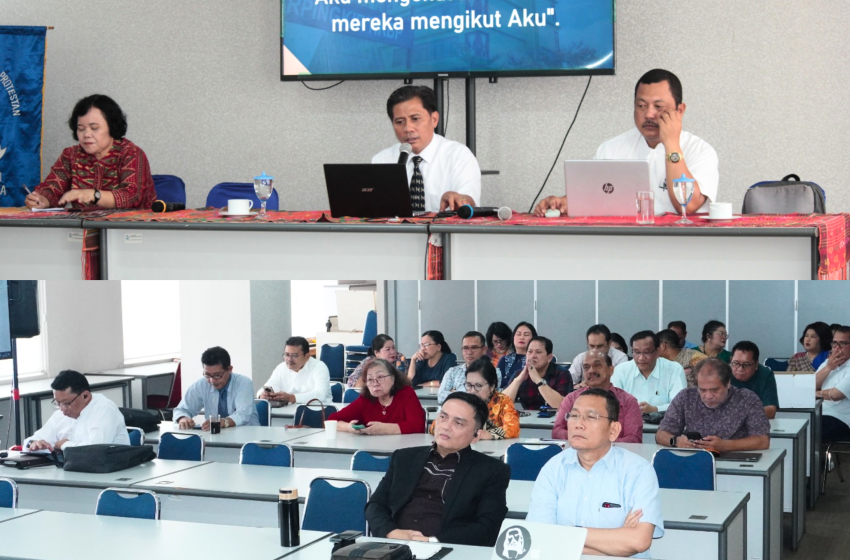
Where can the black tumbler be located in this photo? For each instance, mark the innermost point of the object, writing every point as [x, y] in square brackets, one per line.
[288, 518]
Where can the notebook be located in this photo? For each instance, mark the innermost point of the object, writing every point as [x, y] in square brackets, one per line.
[368, 190]
[604, 187]
[520, 539]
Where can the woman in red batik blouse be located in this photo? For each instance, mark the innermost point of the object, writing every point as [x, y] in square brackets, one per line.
[104, 169]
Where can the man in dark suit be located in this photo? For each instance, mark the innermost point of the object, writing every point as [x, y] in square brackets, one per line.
[446, 492]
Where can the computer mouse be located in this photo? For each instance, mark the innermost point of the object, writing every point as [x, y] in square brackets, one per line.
[553, 213]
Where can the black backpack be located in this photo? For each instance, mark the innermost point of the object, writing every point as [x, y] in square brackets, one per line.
[785, 197]
[137, 418]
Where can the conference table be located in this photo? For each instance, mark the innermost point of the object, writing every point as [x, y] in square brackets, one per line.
[814, 463]
[11, 513]
[151, 379]
[41, 246]
[226, 446]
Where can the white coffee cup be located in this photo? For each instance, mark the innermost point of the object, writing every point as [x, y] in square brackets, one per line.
[330, 429]
[239, 206]
[720, 210]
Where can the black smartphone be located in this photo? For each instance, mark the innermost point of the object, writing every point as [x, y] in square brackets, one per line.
[693, 436]
[345, 536]
[268, 389]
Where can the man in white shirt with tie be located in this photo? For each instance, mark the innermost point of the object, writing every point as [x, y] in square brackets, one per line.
[653, 381]
[83, 418]
[442, 174]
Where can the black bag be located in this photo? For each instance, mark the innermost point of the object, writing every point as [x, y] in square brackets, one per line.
[106, 457]
[374, 551]
[137, 418]
[784, 197]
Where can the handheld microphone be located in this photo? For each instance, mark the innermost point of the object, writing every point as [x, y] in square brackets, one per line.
[466, 212]
[160, 206]
[404, 150]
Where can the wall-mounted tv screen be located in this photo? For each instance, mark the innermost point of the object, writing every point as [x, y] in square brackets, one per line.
[5, 327]
[371, 39]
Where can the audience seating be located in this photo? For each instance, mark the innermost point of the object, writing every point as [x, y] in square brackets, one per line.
[365, 461]
[350, 395]
[170, 401]
[185, 447]
[123, 502]
[222, 192]
[777, 364]
[169, 188]
[685, 470]
[836, 449]
[333, 356]
[264, 411]
[336, 392]
[137, 435]
[313, 418]
[8, 493]
[262, 453]
[526, 461]
[334, 508]
[356, 353]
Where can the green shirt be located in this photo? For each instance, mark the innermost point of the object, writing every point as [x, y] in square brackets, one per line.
[763, 384]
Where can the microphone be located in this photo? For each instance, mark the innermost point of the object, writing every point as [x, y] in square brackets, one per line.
[160, 206]
[466, 212]
[404, 150]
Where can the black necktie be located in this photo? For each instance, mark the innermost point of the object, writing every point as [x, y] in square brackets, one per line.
[417, 187]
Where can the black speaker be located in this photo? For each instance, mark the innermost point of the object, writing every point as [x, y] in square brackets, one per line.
[23, 308]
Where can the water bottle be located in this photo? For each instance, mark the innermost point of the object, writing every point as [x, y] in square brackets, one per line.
[287, 516]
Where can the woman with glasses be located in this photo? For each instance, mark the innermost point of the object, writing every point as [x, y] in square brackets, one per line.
[714, 337]
[388, 405]
[383, 347]
[513, 362]
[481, 381]
[498, 339]
[816, 340]
[432, 361]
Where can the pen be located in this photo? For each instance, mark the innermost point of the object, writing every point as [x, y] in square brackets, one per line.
[26, 189]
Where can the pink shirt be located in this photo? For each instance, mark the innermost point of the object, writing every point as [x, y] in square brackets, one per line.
[630, 416]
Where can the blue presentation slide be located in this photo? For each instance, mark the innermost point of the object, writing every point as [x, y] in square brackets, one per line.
[373, 37]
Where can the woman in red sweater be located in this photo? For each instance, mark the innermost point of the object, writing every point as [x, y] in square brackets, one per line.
[388, 405]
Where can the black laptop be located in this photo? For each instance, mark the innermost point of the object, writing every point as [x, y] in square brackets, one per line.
[738, 457]
[368, 190]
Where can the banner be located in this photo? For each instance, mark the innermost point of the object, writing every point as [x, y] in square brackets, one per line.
[21, 95]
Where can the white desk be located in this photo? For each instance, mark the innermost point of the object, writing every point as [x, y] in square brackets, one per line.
[428, 395]
[41, 249]
[814, 462]
[283, 415]
[153, 379]
[137, 539]
[11, 513]
[226, 446]
[318, 451]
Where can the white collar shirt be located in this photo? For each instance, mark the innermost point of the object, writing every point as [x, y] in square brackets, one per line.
[664, 383]
[838, 379]
[313, 381]
[99, 422]
[577, 367]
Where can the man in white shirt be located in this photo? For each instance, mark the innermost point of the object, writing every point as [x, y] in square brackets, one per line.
[83, 418]
[658, 138]
[599, 340]
[448, 169]
[299, 378]
[832, 382]
[653, 381]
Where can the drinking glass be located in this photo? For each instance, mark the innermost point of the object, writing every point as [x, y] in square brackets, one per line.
[263, 186]
[215, 424]
[683, 188]
[645, 207]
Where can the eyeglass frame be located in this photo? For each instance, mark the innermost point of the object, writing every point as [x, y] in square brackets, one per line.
[377, 380]
[574, 416]
[67, 404]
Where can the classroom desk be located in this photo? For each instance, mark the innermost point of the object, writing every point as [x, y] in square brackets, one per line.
[318, 451]
[36, 397]
[583, 252]
[226, 446]
[11, 513]
[814, 461]
[154, 379]
[137, 539]
[428, 395]
[260, 251]
[285, 415]
[41, 248]
[39, 488]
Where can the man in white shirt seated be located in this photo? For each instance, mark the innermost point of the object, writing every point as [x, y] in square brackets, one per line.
[83, 418]
[221, 392]
[299, 378]
[599, 340]
[611, 492]
[653, 381]
[447, 171]
[658, 138]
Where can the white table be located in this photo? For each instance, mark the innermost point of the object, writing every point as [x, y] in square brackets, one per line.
[284, 415]
[317, 450]
[11, 513]
[152, 379]
[136, 539]
[41, 249]
[814, 463]
[428, 395]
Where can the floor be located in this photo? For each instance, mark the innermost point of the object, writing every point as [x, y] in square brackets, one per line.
[827, 535]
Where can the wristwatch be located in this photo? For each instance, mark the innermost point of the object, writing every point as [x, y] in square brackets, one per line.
[674, 157]
[542, 383]
[96, 197]
[673, 441]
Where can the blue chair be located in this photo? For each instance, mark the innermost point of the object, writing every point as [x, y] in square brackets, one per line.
[137, 435]
[370, 331]
[365, 461]
[684, 470]
[333, 356]
[8, 493]
[222, 192]
[313, 418]
[264, 411]
[526, 461]
[350, 395]
[184, 447]
[169, 188]
[332, 508]
[336, 392]
[264, 453]
[775, 364]
[123, 502]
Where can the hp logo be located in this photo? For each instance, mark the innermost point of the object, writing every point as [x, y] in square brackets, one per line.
[607, 188]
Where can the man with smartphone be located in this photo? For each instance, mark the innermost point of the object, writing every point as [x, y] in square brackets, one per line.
[299, 378]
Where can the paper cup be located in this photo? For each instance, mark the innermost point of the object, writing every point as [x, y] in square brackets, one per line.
[330, 428]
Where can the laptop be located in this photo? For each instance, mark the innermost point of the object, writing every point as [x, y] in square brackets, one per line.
[368, 190]
[604, 187]
[738, 457]
[520, 539]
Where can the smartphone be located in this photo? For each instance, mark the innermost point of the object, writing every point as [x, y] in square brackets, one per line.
[358, 426]
[345, 536]
[693, 436]
[268, 389]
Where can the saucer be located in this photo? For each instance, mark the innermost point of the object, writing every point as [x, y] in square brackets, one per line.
[234, 214]
[719, 219]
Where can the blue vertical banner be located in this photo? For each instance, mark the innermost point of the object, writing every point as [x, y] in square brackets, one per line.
[22, 52]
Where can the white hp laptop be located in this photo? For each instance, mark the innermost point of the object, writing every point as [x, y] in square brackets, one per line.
[604, 187]
[520, 539]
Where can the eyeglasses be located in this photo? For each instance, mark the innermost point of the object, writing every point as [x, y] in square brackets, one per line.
[376, 380]
[636, 354]
[471, 348]
[499, 342]
[744, 365]
[722, 334]
[590, 417]
[292, 356]
[68, 404]
[216, 376]
[840, 343]
[425, 345]
[474, 386]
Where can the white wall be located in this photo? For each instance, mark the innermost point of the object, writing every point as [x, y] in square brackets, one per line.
[765, 83]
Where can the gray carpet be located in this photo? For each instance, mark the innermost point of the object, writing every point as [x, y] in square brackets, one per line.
[827, 535]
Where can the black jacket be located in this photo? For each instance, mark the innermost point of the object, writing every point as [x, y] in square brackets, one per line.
[475, 502]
